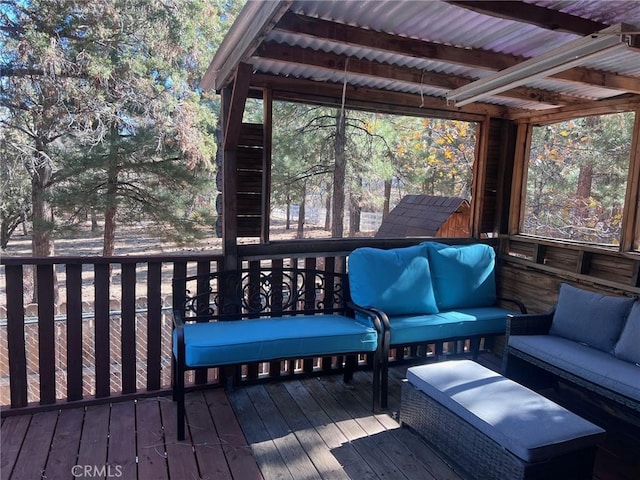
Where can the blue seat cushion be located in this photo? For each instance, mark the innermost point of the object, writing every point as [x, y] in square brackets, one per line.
[593, 365]
[263, 339]
[463, 275]
[459, 323]
[396, 281]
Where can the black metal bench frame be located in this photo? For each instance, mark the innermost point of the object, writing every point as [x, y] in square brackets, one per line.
[240, 295]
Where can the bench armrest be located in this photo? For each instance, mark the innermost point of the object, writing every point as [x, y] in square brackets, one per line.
[378, 318]
[530, 324]
[517, 303]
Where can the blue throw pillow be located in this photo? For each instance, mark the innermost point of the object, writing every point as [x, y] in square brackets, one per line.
[463, 275]
[628, 345]
[589, 317]
[397, 281]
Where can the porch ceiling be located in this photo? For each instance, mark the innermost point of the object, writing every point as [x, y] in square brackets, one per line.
[414, 52]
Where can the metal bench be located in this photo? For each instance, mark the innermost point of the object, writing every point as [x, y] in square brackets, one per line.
[245, 316]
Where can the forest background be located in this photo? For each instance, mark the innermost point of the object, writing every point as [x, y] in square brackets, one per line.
[104, 127]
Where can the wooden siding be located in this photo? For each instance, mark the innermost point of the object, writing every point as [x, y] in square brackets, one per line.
[531, 269]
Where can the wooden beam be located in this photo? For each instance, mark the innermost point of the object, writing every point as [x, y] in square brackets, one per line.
[623, 103]
[372, 100]
[229, 194]
[542, 17]
[267, 106]
[414, 48]
[479, 177]
[630, 239]
[518, 191]
[233, 123]
[363, 67]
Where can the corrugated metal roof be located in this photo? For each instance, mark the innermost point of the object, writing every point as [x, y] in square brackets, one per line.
[447, 24]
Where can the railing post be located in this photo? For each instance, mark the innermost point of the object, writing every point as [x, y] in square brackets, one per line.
[15, 336]
[46, 333]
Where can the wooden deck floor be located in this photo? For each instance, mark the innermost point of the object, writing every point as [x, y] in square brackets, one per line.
[316, 428]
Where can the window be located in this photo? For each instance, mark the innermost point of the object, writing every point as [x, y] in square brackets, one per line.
[577, 179]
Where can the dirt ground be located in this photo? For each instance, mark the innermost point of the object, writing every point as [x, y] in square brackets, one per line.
[142, 240]
[131, 240]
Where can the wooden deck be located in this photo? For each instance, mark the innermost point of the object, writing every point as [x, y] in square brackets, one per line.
[315, 428]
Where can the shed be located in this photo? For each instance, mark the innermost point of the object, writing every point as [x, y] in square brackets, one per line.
[427, 216]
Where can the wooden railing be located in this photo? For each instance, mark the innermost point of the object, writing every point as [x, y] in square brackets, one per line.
[90, 329]
[532, 268]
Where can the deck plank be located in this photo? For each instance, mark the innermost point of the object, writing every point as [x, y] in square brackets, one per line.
[35, 448]
[264, 450]
[65, 444]
[206, 443]
[95, 435]
[122, 441]
[237, 451]
[180, 456]
[14, 429]
[152, 456]
[357, 435]
[338, 444]
[310, 440]
[284, 439]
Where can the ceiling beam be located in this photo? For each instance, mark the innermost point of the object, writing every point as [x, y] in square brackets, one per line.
[410, 47]
[542, 17]
[369, 99]
[242, 80]
[623, 103]
[353, 65]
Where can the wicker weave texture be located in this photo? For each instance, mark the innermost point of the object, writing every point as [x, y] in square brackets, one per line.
[482, 457]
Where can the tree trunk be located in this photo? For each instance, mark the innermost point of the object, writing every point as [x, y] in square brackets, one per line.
[327, 208]
[94, 220]
[355, 210]
[302, 213]
[287, 225]
[585, 181]
[339, 173]
[42, 245]
[387, 199]
[110, 214]
[42, 219]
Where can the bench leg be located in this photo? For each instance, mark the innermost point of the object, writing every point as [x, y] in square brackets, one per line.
[349, 367]
[474, 346]
[178, 395]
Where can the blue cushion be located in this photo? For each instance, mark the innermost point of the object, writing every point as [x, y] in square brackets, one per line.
[397, 281]
[463, 275]
[589, 317]
[528, 425]
[628, 345]
[444, 325]
[262, 339]
[593, 365]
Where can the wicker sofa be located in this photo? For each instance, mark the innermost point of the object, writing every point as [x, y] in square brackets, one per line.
[428, 293]
[588, 339]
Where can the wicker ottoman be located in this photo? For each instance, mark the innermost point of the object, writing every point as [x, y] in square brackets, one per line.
[495, 428]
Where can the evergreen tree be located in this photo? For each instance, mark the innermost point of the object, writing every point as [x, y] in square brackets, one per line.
[106, 91]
